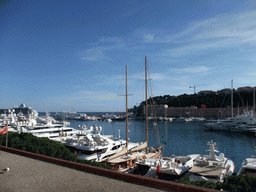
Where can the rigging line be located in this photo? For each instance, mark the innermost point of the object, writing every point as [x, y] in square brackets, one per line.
[138, 99]
[154, 113]
[241, 99]
[228, 100]
[223, 101]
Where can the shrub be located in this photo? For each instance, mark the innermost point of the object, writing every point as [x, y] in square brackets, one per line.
[43, 146]
[233, 183]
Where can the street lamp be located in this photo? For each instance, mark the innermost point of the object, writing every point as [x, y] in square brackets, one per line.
[165, 107]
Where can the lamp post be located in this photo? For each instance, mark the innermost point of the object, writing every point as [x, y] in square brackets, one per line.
[165, 107]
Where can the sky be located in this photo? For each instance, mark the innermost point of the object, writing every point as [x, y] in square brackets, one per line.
[71, 55]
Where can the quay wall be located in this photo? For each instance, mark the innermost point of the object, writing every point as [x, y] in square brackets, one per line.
[161, 111]
[150, 182]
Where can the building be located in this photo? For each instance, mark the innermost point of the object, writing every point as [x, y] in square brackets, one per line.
[164, 110]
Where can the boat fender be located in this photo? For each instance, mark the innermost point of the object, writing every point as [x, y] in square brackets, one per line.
[158, 169]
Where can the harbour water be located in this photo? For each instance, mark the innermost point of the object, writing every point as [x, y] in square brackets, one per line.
[182, 138]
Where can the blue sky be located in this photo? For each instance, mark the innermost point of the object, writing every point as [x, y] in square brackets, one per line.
[71, 55]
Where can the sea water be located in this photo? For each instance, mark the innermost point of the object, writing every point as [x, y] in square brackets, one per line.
[181, 138]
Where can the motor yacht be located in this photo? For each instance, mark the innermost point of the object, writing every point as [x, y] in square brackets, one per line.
[248, 166]
[168, 168]
[97, 147]
[228, 124]
[211, 167]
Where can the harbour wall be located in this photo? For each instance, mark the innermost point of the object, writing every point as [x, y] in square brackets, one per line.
[162, 111]
[150, 182]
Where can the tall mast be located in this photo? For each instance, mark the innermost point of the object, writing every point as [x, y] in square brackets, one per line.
[126, 95]
[146, 107]
[238, 109]
[253, 100]
[232, 98]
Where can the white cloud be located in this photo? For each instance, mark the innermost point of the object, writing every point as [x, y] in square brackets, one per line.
[220, 32]
[94, 54]
[192, 70]
[148, 37]
[240, 25]
[96, 95]
[115, 40]
[87, 96]
[99, 50]
[158, 77]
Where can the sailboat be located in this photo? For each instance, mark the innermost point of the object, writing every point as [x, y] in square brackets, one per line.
[126, 159]
[236, 123]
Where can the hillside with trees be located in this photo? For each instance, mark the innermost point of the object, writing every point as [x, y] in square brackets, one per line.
[210, 100]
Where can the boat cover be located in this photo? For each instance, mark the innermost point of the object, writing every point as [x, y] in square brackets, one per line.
[118, 154]
[140, 147]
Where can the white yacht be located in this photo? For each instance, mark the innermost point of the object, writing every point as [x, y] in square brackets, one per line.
[211, 167]
[57, 132]
[95, 146]
[248, 166]
[189, 119]
[228, 124]
[165, 167]
[180, 119]
[53, 133]
[198, 119]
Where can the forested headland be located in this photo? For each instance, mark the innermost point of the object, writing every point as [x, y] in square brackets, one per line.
[209, 100]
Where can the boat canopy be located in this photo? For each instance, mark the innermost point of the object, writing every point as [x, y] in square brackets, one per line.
[118, 154]
[140, 147]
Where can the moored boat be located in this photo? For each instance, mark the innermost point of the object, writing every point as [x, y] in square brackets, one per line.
[125, 159]
[94, 146]
[168, 168]
[211, 167]
[248, 166]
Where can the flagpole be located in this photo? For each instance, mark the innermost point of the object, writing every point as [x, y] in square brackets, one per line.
[7, 136]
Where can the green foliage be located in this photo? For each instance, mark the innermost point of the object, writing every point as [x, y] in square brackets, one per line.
[212, 100]
[94, 163]
[233, 183]
[201, 183]
[241, 183]
[43, 146]
[2, 140]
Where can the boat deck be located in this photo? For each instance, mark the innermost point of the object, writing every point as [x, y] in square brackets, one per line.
[131, 156]
[210, 171]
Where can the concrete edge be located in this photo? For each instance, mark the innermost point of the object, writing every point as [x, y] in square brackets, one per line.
[149, 182]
